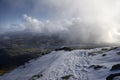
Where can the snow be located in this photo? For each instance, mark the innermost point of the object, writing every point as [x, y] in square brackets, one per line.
[73, 65]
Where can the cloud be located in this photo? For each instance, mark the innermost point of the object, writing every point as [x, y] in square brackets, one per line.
[46, 27]
[83, 21]
[75, 30]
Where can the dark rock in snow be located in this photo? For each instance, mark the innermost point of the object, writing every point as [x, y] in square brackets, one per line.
[105, 49]
[97, 66]
[113, 48]
[66, 77]
[64, 48]
[104, 54]
[115, 67]
[35, 77]
[91, 54]
[118, 53]
[113, 76]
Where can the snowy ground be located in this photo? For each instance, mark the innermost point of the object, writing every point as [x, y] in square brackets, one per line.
[92, 64]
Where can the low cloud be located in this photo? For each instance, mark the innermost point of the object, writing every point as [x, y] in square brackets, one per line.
[75, 30]
[46, 27]
[83, 21]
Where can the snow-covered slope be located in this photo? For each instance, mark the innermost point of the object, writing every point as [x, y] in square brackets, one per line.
[92, 64]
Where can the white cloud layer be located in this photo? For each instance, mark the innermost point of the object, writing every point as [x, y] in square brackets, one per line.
[86, 21]
[75, 30]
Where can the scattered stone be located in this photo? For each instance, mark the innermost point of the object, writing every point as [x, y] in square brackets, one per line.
[113, 76]
[35, 77]
[104, 54]
[67, 77]
[115, 67]
[91, 54]
[113, 48]
[97, 66]
[64, 48]
[118, 53]
[116, 78]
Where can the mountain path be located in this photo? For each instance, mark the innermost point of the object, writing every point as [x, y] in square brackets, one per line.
[69, 66]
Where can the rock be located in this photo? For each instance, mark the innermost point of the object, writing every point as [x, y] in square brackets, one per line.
[113, 76]
[64, 48]
[104, 54]
[113, 48]
[35, 77]
[97, 66]
[91, 54]
[118, 53]
[115, 67]
[66, 77]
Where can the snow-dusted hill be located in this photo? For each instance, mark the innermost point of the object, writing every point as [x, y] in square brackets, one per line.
[92, 64]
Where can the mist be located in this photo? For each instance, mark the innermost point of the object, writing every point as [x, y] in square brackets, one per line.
[79, 21]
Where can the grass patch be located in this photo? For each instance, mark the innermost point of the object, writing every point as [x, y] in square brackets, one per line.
[12, 58]
[5, 70]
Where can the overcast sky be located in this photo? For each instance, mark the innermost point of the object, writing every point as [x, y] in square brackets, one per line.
[12, 11]
[94, 20]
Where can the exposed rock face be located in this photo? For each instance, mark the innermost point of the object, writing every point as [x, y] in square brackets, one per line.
[113, 76]
[64, 48]
[115, 67]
